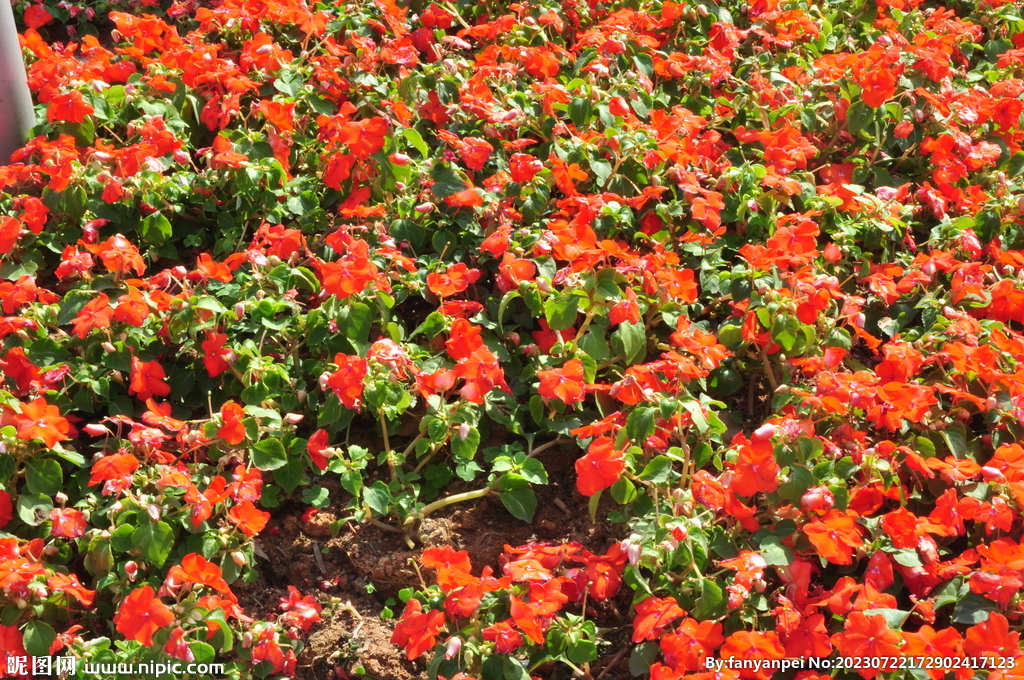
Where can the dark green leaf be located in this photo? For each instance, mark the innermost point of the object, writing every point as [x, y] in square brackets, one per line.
[269, 454]
[154, 541]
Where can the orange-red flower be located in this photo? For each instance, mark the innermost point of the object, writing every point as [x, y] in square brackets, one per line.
[600, 468]
[196, 569]
[148, 379]
[232, 431]
[67, 522]
[565, 383]
[835, 536]
[870, 637]
[417, 630]
[96, 313]
[141, 614]
[453, 280]
[248, 518]
[347, 381]
[652, 615]
[39, 420]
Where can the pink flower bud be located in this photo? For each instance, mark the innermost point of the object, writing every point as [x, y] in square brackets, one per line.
[108, 348]
[818, 499]
[763, 433]
[95, 430]
[153, 511]
[453, 648]
[424, 207]
[399, 159]
[238, 558]
[132, 569]
[464, 430]
[239, 310]
[293, 418]
[992, 474]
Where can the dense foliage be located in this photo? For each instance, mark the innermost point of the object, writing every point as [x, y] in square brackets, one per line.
[759, 261]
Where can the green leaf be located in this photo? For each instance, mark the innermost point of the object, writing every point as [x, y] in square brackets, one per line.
[39, 636]
[623, 491]
[560, 312]
[466, 448]
[520, 501]
[154, 541]
[289, 82]
[44, 476]
[269, 454]
[579, 111]
[658, 471]
[973, 609]
[859, 117]
[512, 669]
[289, 475]
[413, 137]
[629, 340]
[34, 509]
[709, 603]
[642, 658]
[640, 424]
[533, 471]
[355, 321]
[378, 497]
[893, 617]
[775, 554]
[155, 228]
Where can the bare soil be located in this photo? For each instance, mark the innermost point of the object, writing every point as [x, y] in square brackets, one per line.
[355, 573]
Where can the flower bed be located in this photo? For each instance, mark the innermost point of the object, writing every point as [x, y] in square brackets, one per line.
[757, 266]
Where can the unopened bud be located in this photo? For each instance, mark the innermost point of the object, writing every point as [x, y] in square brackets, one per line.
[293, 418]
[108, 348]
[452, 649]
[238, 558]
[239, 310]
[153, 511]
[464, 430]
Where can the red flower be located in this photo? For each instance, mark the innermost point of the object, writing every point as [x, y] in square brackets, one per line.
[315, 446]
[565, 383]
[6, 508]
[753, 645]
[67, 522]
[141, 614]
[214, 353]
[877, 86]
[148, 379]
[455, 280]
[417, 630]
[452, 566]
[506, 639]
[600, 468]
[36, 16]
[196, 569]
[249, 520]
[115, 470]
[347, 381]
[96, 313]
[302, 612]
[652, 615]
[232, 431]
[70, 107]
[39, 420]
[869, 637]
[835, 536]
[755, 469]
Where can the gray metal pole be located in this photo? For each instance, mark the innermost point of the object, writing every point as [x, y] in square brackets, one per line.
[16, 114]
